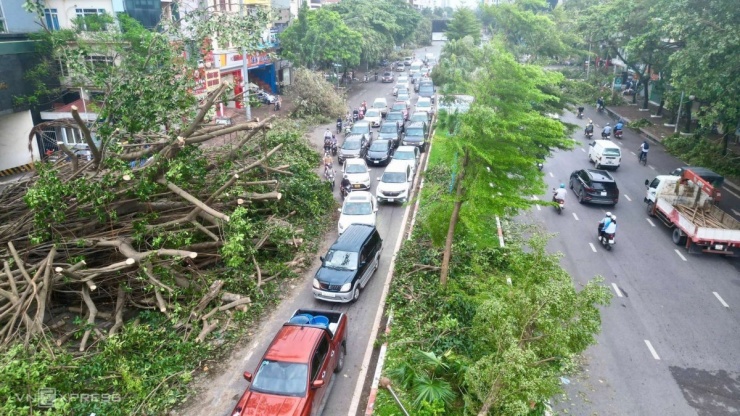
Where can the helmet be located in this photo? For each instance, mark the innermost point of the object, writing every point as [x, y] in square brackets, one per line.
[562, 185]
[614, 217]
[608, 214]
[608, 124]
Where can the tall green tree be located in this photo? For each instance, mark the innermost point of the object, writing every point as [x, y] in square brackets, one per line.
[498, 144]
[464, 23]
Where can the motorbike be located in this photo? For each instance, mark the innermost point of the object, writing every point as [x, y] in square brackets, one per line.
[580, 113]
[355, 115]
[327, 146]
[618, 134]
[560, 206]
[339, 126]
[334, 147]
[347, 129]
[606, 240]
[600, 108]
[605, 135]
[589, 134]
[540, 165]
[329, 176]
[365, 78]
[345, 191]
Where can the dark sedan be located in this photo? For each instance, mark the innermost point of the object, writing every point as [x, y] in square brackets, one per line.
[396, 116]
[354, 146]
[388, 77]
[391, 130]
[379, 153]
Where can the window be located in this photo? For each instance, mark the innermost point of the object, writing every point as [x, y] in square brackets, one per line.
[73, 136]
[52, 19]
[3, 28]
[318, 358]
[99, 61]
[92, 19]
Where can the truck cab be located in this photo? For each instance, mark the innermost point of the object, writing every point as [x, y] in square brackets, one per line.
[295, 374]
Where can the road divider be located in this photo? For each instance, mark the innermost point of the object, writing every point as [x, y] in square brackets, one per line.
[722, 301]
[652, 350]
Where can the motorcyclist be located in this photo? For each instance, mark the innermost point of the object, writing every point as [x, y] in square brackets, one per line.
[339, 124]
[590, 127]
[611, 227]
[328, 162]
[559, 194]
[600, 103]
[619, 126]
[604, 221]
[644, 148]
[607, 130]
[327, 134]
[580, 111]
[363, 106]
[346, 185]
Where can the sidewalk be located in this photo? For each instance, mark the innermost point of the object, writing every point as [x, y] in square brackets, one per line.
[659, 131]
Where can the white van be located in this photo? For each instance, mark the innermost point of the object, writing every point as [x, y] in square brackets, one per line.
[395, 184]
[604, 154]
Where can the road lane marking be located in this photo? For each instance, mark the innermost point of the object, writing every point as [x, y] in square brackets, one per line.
[583, 150]
[628, 198]
[633, 153]
[534, 197]
[592, 247]
[551, 175]
[680, 255]
[650, 222]
[616, 289]
[651, 167]
[722, 301]
[249, 355]
[735, 212]
[727, 190]
[575, 216]
[652, 350]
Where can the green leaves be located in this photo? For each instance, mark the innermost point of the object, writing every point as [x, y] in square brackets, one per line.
[464, 23]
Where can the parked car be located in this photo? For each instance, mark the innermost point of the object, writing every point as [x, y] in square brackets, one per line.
[389, 130]
[397, 116]
[425, 104]
[395, 184]
[416, 135]
[409, 155]
[358, 208]
[295, 374]
[594, 185]
[380, 104]
[358, 174]
[374, 117]
[354, 146]
[362, 127]
[348, 265]
[379, 153]
[387, 77]
[400, 67]
[402, 107]
[419, 116]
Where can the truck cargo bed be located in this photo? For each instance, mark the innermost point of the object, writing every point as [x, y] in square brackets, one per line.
[706, 222]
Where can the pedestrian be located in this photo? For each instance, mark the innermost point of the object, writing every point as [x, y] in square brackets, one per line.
[278, 103]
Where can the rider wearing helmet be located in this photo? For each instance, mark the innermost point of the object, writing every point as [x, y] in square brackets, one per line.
[560, 193]
[605, 221]
[611, 228]
[607, 130]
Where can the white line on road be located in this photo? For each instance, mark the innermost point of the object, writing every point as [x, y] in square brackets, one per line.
[534, 197]
[681, 255]
[583, 150]
[651, 167]
[727, 190]
[592, 247]
[722, 301]
[652, 350]
[551, 175]
[650, 222]
[633, 153]
[735, 212]
[249, 355]
[575, 216]
[616, 289]
[628, 198]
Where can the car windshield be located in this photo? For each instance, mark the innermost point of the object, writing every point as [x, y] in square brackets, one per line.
[372, 113]
[611, 152]
[379, 146]
[388, 128]
[351, 145]
[403, 90]
[403, 96]
[281, 378]
[419, 117]
[386, 74]
[426, 90]
[357, 208]
[360, 129]
[414, 131]
[356, 168]
[337, 259]
[604, 186]
[394, 117]
[393, 177]
[398, 106]
[423, 104]
[379, 104]
[404, 155]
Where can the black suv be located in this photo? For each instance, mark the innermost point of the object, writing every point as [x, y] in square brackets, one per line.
[379, 153]
[391, 130]
[594, 185]
[416, 135]
[348, 265]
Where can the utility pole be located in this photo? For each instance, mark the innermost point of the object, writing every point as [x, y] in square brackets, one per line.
[245, 72]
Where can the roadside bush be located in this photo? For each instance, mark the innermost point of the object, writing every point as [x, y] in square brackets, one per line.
[638, 124]
[703, 152]
[314, 96]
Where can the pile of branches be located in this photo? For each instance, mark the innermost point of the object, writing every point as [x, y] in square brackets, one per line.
[312, 95]
[95, 257]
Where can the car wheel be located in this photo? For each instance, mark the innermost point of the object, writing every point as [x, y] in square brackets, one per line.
[650, 206]
[340, 360]
[678, 237]
[580, 197]
[570, 183]
[356, 293]
[597, 165]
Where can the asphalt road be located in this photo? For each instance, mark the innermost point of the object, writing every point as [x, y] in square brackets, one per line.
[670, 342]
[225, 388]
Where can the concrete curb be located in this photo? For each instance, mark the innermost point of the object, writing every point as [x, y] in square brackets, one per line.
[654, 139]
[378, 370]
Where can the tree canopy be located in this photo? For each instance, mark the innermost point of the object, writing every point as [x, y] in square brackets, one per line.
[464, 23]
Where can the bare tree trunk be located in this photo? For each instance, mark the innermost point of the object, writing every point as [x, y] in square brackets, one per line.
[453, 222]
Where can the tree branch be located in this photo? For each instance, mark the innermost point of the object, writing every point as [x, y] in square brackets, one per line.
[97, 157]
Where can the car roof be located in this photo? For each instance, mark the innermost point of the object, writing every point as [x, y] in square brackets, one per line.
[396, 166]
[424, 100]
[353, 237]
[359, 196]
[607, 143]
[406, 148]
[290, 343]
[379, 99]
[395, 112]
[355, 161]
[361, 123]
[416, 124]
[375, 110]
[354, 136]
[599, 175]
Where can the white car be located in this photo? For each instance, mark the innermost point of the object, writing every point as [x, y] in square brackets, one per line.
[374, 117]
[409, 155]
[358, 174]
[401, 83]
[358, 208]
[395, 184]
[425, 104]
[380, 104]
[405, 98]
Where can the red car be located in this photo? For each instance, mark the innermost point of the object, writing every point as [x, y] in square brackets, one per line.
[295, 374]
